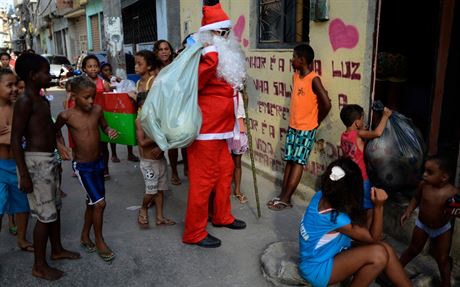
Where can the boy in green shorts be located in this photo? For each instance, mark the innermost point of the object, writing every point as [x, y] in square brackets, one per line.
[310, 104]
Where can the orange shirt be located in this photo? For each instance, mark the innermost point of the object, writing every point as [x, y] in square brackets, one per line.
[304, 103]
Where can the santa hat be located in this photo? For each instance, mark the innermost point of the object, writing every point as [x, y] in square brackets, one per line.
[214, 18]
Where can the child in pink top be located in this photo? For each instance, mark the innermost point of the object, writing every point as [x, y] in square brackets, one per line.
[352, 143]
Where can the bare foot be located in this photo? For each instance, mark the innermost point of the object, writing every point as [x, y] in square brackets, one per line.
[65, 254]
[47, 273]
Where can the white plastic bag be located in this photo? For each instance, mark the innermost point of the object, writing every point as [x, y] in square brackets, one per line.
[124, 86]
[171, 115]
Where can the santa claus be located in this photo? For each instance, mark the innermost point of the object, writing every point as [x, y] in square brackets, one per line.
[222, 71]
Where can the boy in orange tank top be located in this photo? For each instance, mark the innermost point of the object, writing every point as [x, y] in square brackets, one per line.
[310, 104]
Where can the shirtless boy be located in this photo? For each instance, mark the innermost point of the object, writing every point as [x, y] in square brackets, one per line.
[37, 164]
[10, 195]
[432, 221]
[83, 122]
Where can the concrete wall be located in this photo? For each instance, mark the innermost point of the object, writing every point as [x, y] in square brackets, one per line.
[343, 47]
[93, 7]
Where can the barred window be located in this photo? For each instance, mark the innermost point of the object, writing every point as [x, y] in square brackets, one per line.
[283, 23]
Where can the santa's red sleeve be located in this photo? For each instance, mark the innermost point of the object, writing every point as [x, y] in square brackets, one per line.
[208, 66]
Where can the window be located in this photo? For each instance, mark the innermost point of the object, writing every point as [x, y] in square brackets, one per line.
[283, 23]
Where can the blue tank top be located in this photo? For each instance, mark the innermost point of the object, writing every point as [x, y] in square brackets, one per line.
[314, 251]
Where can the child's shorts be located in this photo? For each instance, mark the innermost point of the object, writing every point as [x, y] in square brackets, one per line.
[367, 202]
[238, 146]
[155, 172]
[91, 176]
[12, 200]
[299, 145]
[45, 200]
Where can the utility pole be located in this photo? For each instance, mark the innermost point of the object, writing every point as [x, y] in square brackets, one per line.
[113, 32]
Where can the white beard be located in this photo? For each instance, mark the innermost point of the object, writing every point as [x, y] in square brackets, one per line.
[232, 61]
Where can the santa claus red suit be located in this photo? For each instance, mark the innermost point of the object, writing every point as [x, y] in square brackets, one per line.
[210, 162]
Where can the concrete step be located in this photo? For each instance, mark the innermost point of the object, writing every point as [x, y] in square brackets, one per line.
[279, 266]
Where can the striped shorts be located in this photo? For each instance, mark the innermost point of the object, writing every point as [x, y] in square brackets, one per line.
[299, 145]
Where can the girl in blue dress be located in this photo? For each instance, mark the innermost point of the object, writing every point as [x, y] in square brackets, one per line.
[333, 218]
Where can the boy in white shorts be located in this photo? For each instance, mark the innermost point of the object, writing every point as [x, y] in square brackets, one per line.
[154, 169]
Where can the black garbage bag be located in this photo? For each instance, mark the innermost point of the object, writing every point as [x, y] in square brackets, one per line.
[395, 159]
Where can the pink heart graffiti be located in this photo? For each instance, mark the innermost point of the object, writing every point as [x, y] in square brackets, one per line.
[238, 29]
[342, 36]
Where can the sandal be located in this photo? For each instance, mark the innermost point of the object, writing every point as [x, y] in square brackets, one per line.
[175, 180]
[106, 255]
[279, 205]
[106, 176]
[27, 248]
[88, 246]
[142, 219]
[271, 201]
[241, 197]
[165, 221]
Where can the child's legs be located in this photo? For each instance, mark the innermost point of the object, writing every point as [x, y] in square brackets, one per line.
[55, 235]
[11, 221]
[88, 223]
[105, 154]
[130, 150]
[237, 173]
[41, 234]
[113, 148]
[173, 155]
[22, 219]
[286, 176]
[365, 263]
[158, 197]
[183, 152]
[441, 251]
[146, 200]
[98, 218]
[299, 145]
[295, 174]
[394, 270]
[419, 238]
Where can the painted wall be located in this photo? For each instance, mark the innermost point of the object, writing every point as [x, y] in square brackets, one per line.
[343, 48]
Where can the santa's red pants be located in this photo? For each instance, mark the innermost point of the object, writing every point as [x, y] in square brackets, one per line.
[210, 168]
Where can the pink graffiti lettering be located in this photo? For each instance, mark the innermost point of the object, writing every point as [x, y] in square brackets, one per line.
[256, 62]
[327, 148]
[342, 36]
[347, 70]
[281, 89]
[281, 65]
[283, 131]
[273, 109]
[261, 86]
[274, 164]
[315, 168]
[253, 124]
[264, 146]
